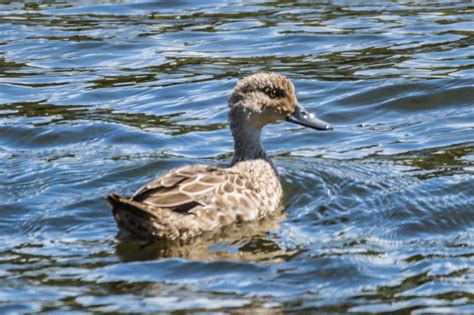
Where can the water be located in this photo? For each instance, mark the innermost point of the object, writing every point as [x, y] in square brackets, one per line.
[102, 96]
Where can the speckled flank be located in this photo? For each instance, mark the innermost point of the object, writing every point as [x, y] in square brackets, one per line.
[193, 199]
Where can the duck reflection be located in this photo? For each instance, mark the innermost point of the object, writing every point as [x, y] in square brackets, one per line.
[250, 241]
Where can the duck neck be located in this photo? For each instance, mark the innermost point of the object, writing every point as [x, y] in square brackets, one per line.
[247, 143]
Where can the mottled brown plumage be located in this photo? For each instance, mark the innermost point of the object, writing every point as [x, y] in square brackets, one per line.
[193, 199]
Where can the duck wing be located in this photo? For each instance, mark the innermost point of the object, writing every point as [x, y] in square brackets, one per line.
[184, 202]
[181, 189]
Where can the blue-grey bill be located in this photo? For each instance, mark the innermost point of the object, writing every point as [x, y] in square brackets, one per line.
[302, 117]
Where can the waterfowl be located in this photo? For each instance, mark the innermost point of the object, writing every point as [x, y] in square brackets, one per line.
[193, 199]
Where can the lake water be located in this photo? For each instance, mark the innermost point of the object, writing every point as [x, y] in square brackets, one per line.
[102, 96]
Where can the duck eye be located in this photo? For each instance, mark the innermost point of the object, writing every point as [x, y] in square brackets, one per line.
[273, 93]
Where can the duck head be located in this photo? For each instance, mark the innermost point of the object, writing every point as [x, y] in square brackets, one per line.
[268, 98]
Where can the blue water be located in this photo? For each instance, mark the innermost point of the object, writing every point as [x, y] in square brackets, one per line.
[102, 96]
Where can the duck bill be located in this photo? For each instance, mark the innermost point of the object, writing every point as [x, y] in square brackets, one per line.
[304, 118]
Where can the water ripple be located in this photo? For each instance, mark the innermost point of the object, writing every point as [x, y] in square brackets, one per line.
[102, 96]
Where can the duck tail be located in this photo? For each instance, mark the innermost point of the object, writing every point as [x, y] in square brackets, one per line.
[130, 216]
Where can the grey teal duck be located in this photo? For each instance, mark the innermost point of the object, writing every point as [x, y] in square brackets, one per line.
[193, 199]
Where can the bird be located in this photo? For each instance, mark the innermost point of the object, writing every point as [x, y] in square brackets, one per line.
[188, 201]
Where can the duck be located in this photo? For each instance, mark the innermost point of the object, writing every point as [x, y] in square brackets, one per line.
[188, 201]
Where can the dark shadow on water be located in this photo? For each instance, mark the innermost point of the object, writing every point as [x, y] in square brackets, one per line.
[65, 114]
